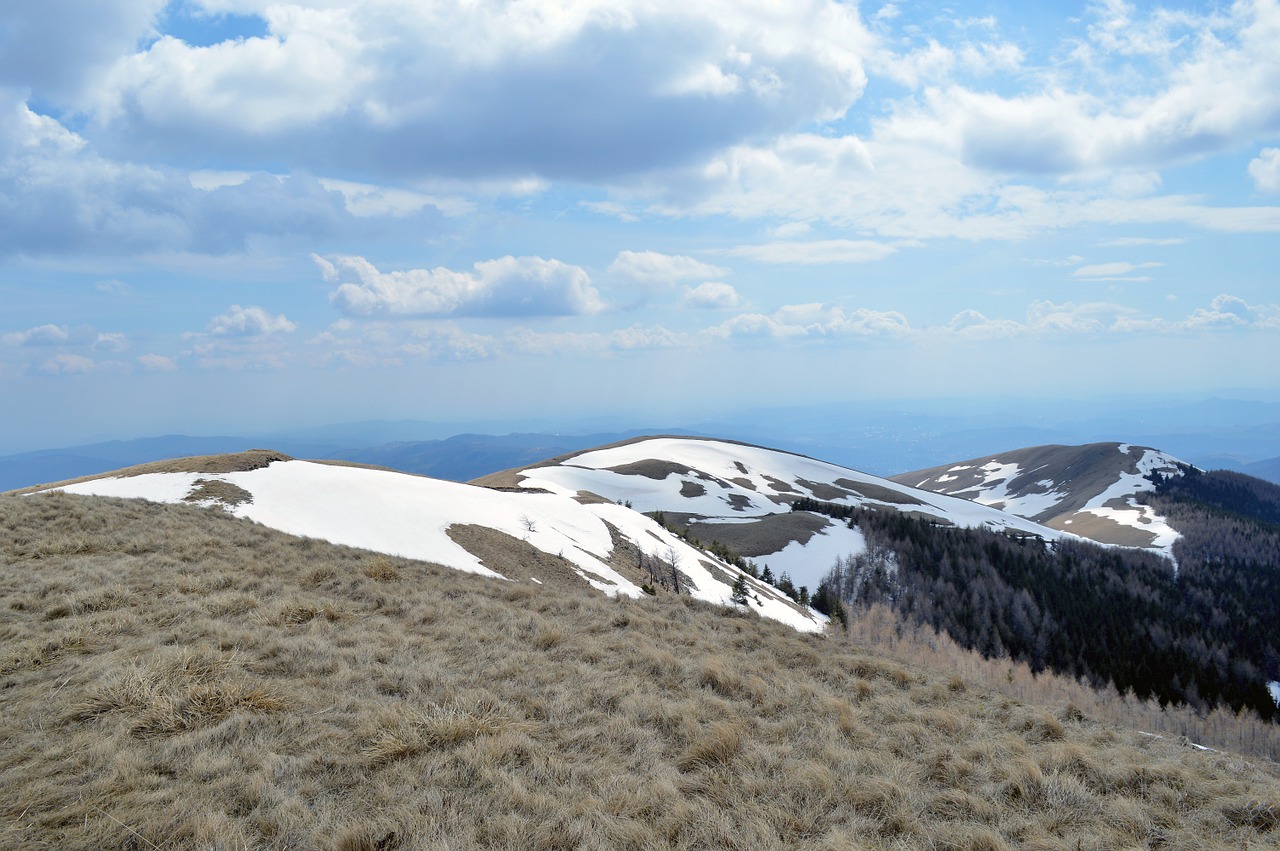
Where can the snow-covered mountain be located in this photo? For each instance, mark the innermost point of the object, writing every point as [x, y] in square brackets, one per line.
[1088, 490]
[741, 495]
[523, 536]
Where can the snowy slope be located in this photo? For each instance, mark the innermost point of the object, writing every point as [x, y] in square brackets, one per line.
[1089, 490]
[737, 494]
[410, 516]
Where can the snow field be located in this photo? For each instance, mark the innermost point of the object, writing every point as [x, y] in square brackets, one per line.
[409, 516]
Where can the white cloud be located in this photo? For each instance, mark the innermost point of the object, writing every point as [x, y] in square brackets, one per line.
[42, 335]
[157, 363]
[638, 84]
[523, 341]
[712, 295]
[67, 364]
[653, 270]
[813, 320]
[249, 322]
[508, 286]
[1265, 170]
[815, 252]
[113, 287]
[113, 342]
[59, 196]
[1228, 311]
[1131, 241]
[1111, 270]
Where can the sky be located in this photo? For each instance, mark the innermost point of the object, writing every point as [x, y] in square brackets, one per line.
[228, 215]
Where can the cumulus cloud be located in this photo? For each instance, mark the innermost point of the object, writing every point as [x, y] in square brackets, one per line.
[813, 320]
[112, 342]
[524, 341]
[1265, 170]
[67, 364]
[157, 363]
[653, 270]
[507, 286]
[1053, 147]
[42, 335]
[1229, 311]
[562, 90]
[59, 46]
[712, 295]
[60, 195]
[249, 322]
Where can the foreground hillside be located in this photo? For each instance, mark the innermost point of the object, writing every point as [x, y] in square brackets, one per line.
[179, 678]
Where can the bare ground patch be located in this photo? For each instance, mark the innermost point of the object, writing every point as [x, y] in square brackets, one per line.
[1102, 529]
[218, 491]
[692, 489]
[822, 490]
[879, 493]
[769, 534]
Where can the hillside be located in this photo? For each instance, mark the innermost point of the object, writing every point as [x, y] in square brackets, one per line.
[521, 535]
[1090, 490]
[740, 495]
[178, 678]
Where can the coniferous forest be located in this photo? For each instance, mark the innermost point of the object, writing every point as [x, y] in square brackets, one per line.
[1201, 634]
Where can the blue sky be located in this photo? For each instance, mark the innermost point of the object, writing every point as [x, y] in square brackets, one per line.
[225, 215]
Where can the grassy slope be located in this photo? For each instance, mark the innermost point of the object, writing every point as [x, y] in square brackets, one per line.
[174, 678]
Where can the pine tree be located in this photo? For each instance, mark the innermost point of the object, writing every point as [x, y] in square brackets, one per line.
[740, 591]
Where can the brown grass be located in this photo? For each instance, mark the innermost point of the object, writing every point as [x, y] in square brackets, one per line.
[173, 678]
[882, 632]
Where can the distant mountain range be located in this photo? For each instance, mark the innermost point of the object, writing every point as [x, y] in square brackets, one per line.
[884, 438]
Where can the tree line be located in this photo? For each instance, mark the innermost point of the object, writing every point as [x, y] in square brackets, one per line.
[1201, 636]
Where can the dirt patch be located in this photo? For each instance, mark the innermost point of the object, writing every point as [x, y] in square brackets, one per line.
[216, 490]
[767, 535]
[822, 490]
[745, 484]
[692, 489]
[506, 480]
[739, 502]
[879, 493]
[652, 468]
[780, 486]
[515, 559]
[1103, 529]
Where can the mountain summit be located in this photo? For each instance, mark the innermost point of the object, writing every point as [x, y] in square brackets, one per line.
[1090, 490]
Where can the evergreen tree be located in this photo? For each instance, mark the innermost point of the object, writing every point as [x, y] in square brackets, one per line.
[740, 590]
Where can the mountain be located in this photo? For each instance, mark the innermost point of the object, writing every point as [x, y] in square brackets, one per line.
[740, 496]
[521, 535]
[1268, 469]
[1091, 490]
[1103, 602]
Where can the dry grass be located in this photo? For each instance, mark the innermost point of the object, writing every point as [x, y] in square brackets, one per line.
[175, 678]
[883, 632]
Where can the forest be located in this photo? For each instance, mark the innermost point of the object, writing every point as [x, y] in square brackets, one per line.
[1197, 633]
